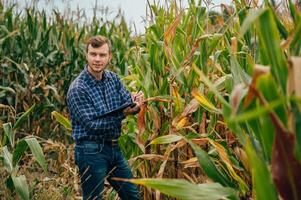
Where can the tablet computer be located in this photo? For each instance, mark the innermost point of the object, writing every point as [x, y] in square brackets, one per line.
[118, 109]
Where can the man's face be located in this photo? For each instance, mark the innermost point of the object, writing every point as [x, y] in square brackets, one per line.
[98, 58]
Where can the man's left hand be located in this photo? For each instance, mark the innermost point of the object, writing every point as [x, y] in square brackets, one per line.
[138, 99]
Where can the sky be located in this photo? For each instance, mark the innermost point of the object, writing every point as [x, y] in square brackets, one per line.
[134, 11]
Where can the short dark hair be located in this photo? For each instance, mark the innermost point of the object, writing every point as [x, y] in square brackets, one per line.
[98, 41]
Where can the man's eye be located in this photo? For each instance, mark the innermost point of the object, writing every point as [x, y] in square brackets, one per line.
[93, 54]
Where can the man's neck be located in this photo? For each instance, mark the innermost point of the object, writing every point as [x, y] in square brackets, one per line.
[96, 75]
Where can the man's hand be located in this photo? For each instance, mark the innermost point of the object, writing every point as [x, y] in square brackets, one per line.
[138, 99]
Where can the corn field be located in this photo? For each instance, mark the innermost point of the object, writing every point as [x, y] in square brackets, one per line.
[222, 118]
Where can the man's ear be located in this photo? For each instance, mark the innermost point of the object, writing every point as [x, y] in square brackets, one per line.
[110, 57]
[86, 55]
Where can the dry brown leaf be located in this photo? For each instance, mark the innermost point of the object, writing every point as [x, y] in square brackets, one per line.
[171, 31]
[202, 127]
[154, 157]
[192, 162]
[258, 71]
[140, 143]
[155, 117]
[191, 53]
[192, 106]
[235, 97]
[286, 170]
[141, 119]
[294, 80]
[241, 154]
[285, 44]
[159, 99]
[169, 149]
[234, 45]
[200, 141]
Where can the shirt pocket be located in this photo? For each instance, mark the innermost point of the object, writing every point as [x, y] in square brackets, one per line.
[114, 98]
[98, 103]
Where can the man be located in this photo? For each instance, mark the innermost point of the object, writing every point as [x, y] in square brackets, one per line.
[95, 100]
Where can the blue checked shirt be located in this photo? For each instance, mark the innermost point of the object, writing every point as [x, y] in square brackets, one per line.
[88, 98]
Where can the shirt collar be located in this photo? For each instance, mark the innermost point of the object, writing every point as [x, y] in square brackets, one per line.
[105, 76]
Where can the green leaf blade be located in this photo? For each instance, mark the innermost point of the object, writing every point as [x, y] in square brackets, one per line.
[166, 139]
[21, 186]
[185, 190]
[9, 133]
[37, 151]
[23, 117]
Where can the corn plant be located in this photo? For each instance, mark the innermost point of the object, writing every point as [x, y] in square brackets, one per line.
[37, 51]
[252, 101]
[12, 152]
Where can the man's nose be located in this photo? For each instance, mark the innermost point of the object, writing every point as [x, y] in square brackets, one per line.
[98, 58]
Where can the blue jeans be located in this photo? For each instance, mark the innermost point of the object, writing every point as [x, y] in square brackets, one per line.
[97, 161]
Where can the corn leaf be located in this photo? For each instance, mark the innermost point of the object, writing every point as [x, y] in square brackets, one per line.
[205, 103]
[7, 159]
[166, 139]
[21, 147]
[21, 186]
[37, 151]
[209, 167]
[262, 180]
[9, 133]
[23, 117]
[270, 48]
[185, 190]
[62, 120]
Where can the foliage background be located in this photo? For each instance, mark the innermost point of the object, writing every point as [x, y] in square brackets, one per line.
[219, 107]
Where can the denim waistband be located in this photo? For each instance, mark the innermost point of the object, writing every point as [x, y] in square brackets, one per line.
[97, 139]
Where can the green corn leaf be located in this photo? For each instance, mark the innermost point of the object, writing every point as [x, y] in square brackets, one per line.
[239, 75]
[37, 151]
[270, 91]
[9, 183]
[211, 86]
[23, 117]
[62, 120]
[262, 181]
[293, 12]
[21, 186]
[250, 19]
[271, 54]
[185, 190]
[297, 114]
[7, 159]
[296, 42]
[283, 32]
[166, 139]
[21, 147]
[9, 133]
[209, 167]
[258, 111]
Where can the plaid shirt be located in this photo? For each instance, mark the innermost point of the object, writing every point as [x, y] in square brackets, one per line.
[88, 98]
